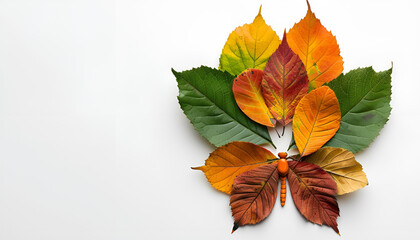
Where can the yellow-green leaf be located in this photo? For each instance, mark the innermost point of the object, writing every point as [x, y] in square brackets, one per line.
[342, 166]
[249, 46]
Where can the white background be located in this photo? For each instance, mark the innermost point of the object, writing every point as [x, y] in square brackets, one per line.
[93, 144]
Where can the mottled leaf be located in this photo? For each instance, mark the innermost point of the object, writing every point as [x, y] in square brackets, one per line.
[342, 166]
[248, 95]
[313, 191]
[316, 120]
[206, 97]
[227, 162]
[249, 46]
[254, 195]
[317, 48]
[364, 96]
[285, 83]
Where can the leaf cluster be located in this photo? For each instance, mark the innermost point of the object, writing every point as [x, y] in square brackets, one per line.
[263, 81]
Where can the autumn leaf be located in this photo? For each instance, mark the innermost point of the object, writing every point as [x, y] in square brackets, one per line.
[285, 82]
[206, 97]
[313, 191]
[317, 48]
[248, 95]
[317, 119]
[254, 195]
[364, 96]
[249, 46]
[227, 162]
[342, 166]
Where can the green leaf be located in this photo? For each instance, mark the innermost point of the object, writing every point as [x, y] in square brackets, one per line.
[364, 96]
[206, 97]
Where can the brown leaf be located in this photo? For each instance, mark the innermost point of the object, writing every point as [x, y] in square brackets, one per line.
[254, 195]
[284, 83]
[313, 191]
[230, 160]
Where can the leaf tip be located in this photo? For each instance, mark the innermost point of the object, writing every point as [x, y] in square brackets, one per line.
[259, 12]
[309, 6]
[235, 227]
[197, 168]
[284, 35]
[174, 72]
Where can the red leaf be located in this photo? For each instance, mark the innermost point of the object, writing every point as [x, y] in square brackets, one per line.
[313, 191]
[285, 82]
[254, 195]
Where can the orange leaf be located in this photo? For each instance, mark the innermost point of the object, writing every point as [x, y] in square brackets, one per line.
[313, 191]
[254, 195]
[247, 91]
[317, 48]
[285, 82]
[230, 160]
[317, 119]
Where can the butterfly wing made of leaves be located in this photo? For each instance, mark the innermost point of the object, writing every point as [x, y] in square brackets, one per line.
[313, 192]
[248, 95]
[317, 48]
[254, 195]
[285, 82]
[316, 120]
[229, 161]
[342, 166]
[249, 46]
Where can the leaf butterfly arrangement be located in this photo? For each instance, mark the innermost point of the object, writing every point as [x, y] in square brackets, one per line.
[263, 81]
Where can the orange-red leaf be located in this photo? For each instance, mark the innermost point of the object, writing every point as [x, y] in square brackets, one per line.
[254, 195]
[317, 48]
[313, 191]
[285, 82]
[248, 95]
[316, 120]
[230, 160]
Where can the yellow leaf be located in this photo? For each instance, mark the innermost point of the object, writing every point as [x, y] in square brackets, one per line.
[317, 48]
[342, 166]
[249, 46]
[230, 160]
[316, 120]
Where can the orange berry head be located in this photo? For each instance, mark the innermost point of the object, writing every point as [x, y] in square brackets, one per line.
[282, 155]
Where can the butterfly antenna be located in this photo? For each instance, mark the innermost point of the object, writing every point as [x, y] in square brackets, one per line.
[278, 134]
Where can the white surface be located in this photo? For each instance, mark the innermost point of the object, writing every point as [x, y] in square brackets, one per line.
[93, 144]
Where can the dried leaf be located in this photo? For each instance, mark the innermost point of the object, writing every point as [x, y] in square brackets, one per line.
[317, 119]
[248, 95]
[313, 191]
[229, 161]
[249, 46]
[342, 166]
[285, 83]
[254, 195]
[317, 48]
